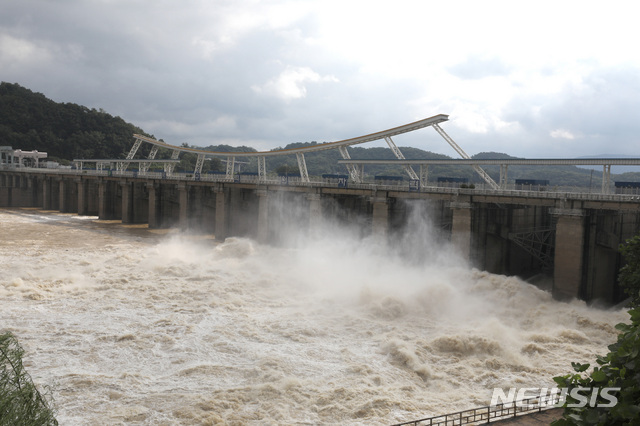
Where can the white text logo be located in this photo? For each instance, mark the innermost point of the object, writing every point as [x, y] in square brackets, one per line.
[556, 397]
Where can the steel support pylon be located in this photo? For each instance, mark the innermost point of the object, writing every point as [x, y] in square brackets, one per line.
[134, 149]
[168, 168]
[504, 169]
[351, 168]
[606, 178]
[302, 165]
[424, 175]
[262, 169]
[412, 174]
[144, 167]
[231, 165]
[464, 155]
[199, 164]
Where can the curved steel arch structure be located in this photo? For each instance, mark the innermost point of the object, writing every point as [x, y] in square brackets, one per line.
[355, 172]
[320, 147]
[342, 145]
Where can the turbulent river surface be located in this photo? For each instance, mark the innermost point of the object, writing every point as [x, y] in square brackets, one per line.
[134, 326]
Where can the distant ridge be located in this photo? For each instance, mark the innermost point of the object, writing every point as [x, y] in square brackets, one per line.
[610, 156]
[624, 173]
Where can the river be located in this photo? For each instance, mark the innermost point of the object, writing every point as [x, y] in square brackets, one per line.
[135, 326]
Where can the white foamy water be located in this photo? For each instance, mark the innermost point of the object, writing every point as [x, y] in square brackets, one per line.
[131, 326]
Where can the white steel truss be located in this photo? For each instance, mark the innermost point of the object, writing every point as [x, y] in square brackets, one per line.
[144, 167]
[351, 168]
[231, 165]
[606, 178]
[412, 174]
[262, 169]
[464, 155]
[504, 169]
[302, 165]
[168, 168]
[199, 164]
[424, 175]
[134, 149]
[153, 152]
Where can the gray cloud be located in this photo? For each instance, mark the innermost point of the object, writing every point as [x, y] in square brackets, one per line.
[598, 112]
[220, 72]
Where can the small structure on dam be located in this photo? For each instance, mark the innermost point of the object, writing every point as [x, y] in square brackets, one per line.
[11, 158]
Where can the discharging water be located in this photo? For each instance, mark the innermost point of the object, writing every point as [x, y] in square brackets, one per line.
[131, 326]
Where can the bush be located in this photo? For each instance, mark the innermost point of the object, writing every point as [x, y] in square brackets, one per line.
[620, 368]
[20, 401]
[629, 276]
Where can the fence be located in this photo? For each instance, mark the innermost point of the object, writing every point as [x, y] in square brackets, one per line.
[490, 413]
[480, 189]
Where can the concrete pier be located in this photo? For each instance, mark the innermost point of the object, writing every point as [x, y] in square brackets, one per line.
[569, 252]
[461, 228]
[82, 196]
[221, 222]
[127, 202]
[62, 194]
[315, 212]
[183, 201]
[152, 217]
[46, 194]
[263, 215]
[380, 217]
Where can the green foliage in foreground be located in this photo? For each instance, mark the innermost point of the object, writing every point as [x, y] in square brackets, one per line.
[620, 368]
[20, 401]
[629, 276]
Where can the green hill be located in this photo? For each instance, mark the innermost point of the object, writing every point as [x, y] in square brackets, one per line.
[30, 121]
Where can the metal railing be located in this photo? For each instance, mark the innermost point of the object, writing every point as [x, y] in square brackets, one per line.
[574, 193]
[491, 413]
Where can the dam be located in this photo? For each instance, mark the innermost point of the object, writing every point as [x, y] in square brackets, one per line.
[571, 237]
[333, 300]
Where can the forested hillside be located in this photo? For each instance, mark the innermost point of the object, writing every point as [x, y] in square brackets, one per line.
[30, 121]
[66, 131]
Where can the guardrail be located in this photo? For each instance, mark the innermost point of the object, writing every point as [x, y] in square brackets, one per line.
[490, 413]
[573, 193]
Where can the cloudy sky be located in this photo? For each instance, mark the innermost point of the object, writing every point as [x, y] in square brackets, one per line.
[534, 79]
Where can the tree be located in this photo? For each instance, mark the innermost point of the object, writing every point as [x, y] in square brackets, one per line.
[287, 169]
[20, 401]
[620, 368]
[629, 276]
[30, 121]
